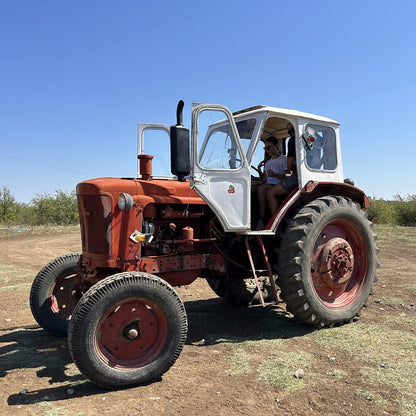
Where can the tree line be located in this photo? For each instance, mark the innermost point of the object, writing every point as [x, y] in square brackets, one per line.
[61, 208]
[400, 211]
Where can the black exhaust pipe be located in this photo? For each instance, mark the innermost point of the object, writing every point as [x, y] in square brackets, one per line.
[179, 146]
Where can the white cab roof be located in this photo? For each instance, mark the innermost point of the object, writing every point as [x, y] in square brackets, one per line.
[284, 112]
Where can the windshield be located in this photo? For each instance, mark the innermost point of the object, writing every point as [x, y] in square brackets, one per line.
[219, 149]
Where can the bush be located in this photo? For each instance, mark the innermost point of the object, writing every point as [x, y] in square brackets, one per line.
[58, 209]
[406, 210]
[45, 209]
[382, 212]
[400, 211]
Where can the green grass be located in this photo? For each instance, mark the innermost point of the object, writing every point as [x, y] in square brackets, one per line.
[373, 343]
[370, 396]
[11, 273]
[239, 364]
[336, 374]
[48, 409]
[12, 234]
[20, 286]
[388, 356]
[388, 235]
[280, 371]
[386, 301]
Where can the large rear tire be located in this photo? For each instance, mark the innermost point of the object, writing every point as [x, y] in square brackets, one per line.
[128, 329]
[53, 294]
[327, 261]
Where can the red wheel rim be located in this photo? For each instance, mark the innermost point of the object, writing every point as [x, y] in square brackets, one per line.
[131, 333]
[339, 263]
[65, 296]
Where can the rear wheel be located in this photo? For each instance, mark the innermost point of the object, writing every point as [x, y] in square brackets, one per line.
[54, 294]
[327, 262]
[128, 329]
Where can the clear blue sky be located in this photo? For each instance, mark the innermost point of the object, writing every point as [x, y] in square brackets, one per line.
[76, 77]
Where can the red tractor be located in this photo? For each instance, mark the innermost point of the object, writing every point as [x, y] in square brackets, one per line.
[126, 324]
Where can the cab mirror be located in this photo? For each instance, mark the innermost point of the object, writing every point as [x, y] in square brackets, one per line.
[309, 137]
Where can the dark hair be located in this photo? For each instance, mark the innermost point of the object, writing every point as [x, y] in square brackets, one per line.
[272, 139]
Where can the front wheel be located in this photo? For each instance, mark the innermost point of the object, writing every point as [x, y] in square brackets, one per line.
[327, 261]
[54, 294]
[128, 329]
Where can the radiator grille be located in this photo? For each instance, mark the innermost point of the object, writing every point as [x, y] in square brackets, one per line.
[96, 219]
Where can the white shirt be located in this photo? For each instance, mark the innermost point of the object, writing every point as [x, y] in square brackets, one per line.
[278, 165]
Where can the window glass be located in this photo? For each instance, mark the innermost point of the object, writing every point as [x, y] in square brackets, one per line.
[245, 131]
[218, 149]
[321, 147]
[155, 143]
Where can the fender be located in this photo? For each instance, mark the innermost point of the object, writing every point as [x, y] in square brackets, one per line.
[314, 190]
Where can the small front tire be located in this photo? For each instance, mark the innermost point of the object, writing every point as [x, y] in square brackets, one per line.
[127, 330]
[53, 294]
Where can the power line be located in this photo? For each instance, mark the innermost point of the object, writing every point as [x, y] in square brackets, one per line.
[43, 164]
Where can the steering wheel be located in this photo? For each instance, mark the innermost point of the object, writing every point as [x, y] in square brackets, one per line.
[258, 170]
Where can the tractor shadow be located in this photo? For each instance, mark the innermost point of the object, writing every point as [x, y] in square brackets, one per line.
[214, 321]
[32, 348]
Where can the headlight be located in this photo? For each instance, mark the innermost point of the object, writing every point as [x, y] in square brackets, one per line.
[125, 201]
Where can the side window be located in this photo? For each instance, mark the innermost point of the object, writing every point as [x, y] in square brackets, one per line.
[245, 131]
[219, 149]
[155, 143]
[320, 147]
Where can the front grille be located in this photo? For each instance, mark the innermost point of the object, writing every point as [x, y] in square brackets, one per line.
[95, 218]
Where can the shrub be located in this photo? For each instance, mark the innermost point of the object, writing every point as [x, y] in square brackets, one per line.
[45, 209]
[58, 209]
[382, 211]
[406, 210]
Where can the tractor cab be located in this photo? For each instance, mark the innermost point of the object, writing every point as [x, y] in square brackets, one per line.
[227, 153]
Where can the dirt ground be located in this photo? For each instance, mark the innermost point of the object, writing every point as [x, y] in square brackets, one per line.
[37, 376]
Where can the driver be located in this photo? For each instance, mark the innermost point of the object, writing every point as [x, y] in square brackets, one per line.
[274, 168]
[290, 179]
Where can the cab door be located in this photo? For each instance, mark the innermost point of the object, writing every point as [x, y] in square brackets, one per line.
[220, 173]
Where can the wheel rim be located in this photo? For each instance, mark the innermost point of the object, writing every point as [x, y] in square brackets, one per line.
[131, 333]
[65, 296]
[339, 263]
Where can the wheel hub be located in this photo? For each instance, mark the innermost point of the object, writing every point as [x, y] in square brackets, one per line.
[336, 262]
[131, 331]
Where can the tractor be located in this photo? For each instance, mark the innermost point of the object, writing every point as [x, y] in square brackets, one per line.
[190, 214]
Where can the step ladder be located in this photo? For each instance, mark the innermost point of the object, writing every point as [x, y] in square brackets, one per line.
[269, 269]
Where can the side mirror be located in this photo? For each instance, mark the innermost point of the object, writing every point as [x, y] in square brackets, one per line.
[309, 137]
[179, 146]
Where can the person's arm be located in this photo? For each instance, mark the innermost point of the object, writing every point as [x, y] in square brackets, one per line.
[289, 169]
[276, 175]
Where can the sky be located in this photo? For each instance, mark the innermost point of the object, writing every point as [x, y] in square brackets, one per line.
[77, 76]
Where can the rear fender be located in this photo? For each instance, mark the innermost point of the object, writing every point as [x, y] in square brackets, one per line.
[313, 190]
